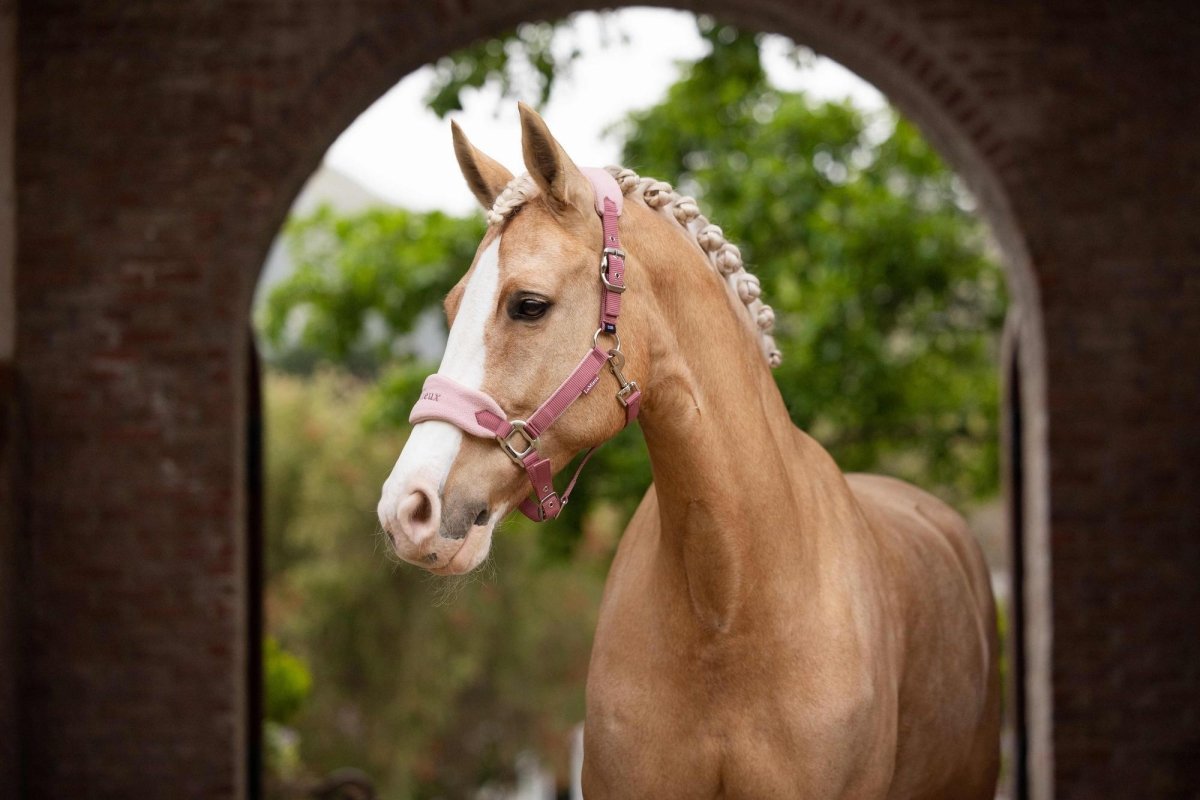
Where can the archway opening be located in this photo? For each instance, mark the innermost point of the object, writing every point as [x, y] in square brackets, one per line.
[835, 165]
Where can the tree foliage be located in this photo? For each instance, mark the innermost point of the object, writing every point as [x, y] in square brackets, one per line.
[887, 300]
[287, 681]
[360, 283]
[525, 63]
[432, 686]
[888, 307]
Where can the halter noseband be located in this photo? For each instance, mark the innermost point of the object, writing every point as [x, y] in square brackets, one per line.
[476, 413]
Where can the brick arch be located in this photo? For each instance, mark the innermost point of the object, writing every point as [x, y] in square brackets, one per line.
[158, 146]
[935, 82]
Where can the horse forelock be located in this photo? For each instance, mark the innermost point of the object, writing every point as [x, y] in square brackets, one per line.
[519, 190]
[723, 257]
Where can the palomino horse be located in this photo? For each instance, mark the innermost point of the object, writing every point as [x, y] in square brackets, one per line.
[770, 628]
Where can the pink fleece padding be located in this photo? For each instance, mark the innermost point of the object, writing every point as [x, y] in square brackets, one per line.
[603, 185]
[445, 399]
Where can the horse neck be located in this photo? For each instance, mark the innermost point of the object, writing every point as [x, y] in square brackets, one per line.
[722, 447]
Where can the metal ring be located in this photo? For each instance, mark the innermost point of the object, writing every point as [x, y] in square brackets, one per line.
[616, 338]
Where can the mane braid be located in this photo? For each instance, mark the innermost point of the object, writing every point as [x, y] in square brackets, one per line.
[725, 259]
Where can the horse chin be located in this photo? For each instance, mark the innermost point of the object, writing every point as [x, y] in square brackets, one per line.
[473, 552]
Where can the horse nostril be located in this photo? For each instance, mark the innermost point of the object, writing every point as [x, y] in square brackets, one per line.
[417, 515]
[422, 512]
[460, 518]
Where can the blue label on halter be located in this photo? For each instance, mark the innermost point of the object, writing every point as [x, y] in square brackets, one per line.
[610, 327]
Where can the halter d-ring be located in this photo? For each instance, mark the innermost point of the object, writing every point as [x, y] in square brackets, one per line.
[616, 339]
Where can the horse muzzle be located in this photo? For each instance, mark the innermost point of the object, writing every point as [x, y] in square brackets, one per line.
[447, 538]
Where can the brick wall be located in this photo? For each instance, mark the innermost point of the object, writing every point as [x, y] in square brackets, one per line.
[1104, 183]
[8, 114]
[159, 144]
[10, 586]
[9, 593]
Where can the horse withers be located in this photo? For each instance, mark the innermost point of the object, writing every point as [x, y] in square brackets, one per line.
[771, 628]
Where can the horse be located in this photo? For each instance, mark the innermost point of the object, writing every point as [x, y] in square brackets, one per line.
[770, 627]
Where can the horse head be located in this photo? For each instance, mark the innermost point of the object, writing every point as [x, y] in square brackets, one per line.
[519, 320]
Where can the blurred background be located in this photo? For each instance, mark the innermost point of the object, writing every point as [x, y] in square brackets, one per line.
[889, 299]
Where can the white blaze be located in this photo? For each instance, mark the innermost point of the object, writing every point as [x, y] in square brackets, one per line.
[432, 445]
[466, 351]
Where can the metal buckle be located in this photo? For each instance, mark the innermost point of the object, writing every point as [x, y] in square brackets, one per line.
[610, 251]
[616, 363]
[624, 392]
[518, 426]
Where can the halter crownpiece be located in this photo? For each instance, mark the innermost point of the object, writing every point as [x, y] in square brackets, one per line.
[477, 413]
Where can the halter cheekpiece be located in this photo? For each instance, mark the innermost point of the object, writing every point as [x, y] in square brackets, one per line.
[478, 414]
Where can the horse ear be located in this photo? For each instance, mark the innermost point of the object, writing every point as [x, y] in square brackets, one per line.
[550, 166]
[485, 176]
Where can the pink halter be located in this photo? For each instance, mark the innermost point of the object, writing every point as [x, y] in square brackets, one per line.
[478, 414]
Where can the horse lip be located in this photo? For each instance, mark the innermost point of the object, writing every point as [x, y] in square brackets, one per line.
[451, 565]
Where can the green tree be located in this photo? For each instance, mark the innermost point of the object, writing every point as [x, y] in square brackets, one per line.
[888, 301]
[521, 63]
[888, 308]
[360, 283]
[433, 687]
[525, 63]
[287, 684]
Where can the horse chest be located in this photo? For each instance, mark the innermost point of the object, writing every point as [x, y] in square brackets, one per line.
[697, 737]
[682, 717]
[679, 708]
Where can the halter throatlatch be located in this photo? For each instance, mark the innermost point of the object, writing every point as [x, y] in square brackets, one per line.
[478, 414]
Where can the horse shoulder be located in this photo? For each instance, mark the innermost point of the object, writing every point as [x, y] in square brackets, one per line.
[925, 537]
[638, 698]
[949, 686]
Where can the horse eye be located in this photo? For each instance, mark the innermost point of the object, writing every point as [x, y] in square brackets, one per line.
[527, 308]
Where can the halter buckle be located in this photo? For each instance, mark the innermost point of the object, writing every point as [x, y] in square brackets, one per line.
[518, 426]
[616, 363]
[541, 505]
[610, 251]
[624, 392]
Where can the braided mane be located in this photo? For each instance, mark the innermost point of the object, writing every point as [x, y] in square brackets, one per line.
[724, 258]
